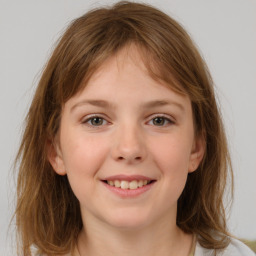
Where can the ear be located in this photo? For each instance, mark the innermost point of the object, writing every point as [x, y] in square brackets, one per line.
[55, 157]
[197, 153]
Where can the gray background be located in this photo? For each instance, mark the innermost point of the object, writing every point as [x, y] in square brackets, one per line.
[224, 30]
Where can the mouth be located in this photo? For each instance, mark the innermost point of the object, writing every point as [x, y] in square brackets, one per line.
[129, 185]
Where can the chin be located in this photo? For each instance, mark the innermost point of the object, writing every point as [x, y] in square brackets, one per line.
[128, 220]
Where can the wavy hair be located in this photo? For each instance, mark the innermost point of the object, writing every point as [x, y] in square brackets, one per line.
[47, 212]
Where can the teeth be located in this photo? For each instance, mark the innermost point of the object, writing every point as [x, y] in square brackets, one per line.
[123, 184]
[117, 183]
[140, 183]
[133, 184]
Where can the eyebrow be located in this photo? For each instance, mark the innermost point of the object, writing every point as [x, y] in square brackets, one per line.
[107, 104]
[96, 103]
[159, 103]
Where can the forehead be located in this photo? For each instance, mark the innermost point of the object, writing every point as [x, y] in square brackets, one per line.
[124, 77]
[136, 55]
[128, 61]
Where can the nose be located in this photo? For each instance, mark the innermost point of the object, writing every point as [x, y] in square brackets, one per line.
[129, 145]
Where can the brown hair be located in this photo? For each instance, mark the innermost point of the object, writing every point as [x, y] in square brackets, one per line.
[48, 213]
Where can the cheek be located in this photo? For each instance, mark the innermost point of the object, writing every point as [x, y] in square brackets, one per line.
[83, 158]
[172, 154]
[83, 155]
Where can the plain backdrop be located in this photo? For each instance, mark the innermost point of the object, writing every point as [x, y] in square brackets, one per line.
[225, 32]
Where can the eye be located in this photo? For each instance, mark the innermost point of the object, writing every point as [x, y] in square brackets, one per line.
[160, 121]
[95, 121]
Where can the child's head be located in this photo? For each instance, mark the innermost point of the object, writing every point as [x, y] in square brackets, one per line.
[48, 212]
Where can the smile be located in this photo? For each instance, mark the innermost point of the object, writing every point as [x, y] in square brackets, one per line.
[124, 184]
[128, 186]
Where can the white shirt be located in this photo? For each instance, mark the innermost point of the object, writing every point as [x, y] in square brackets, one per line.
[235, 248]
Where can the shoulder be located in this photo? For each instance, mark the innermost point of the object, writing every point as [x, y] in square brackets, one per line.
[238, 248]
[235, 248]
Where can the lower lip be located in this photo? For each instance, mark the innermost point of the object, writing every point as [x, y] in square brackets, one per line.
[126, 193]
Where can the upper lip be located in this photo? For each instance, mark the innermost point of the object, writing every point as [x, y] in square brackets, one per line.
[127, 177]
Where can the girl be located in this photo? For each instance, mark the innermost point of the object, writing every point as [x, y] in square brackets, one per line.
[124, 150]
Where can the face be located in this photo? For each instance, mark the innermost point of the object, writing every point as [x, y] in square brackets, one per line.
[127, 144]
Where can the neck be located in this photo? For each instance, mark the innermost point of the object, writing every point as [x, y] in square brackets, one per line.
[158, 239]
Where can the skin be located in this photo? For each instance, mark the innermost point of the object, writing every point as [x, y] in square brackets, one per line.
[128, 140]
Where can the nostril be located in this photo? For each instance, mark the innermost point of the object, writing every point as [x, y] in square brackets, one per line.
[121, 158]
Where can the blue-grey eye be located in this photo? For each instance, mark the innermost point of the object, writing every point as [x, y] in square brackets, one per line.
[96, 121]
[159, 121]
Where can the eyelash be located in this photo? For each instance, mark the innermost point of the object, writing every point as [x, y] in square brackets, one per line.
[167, 120]
[88, 121]
[90, 118]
